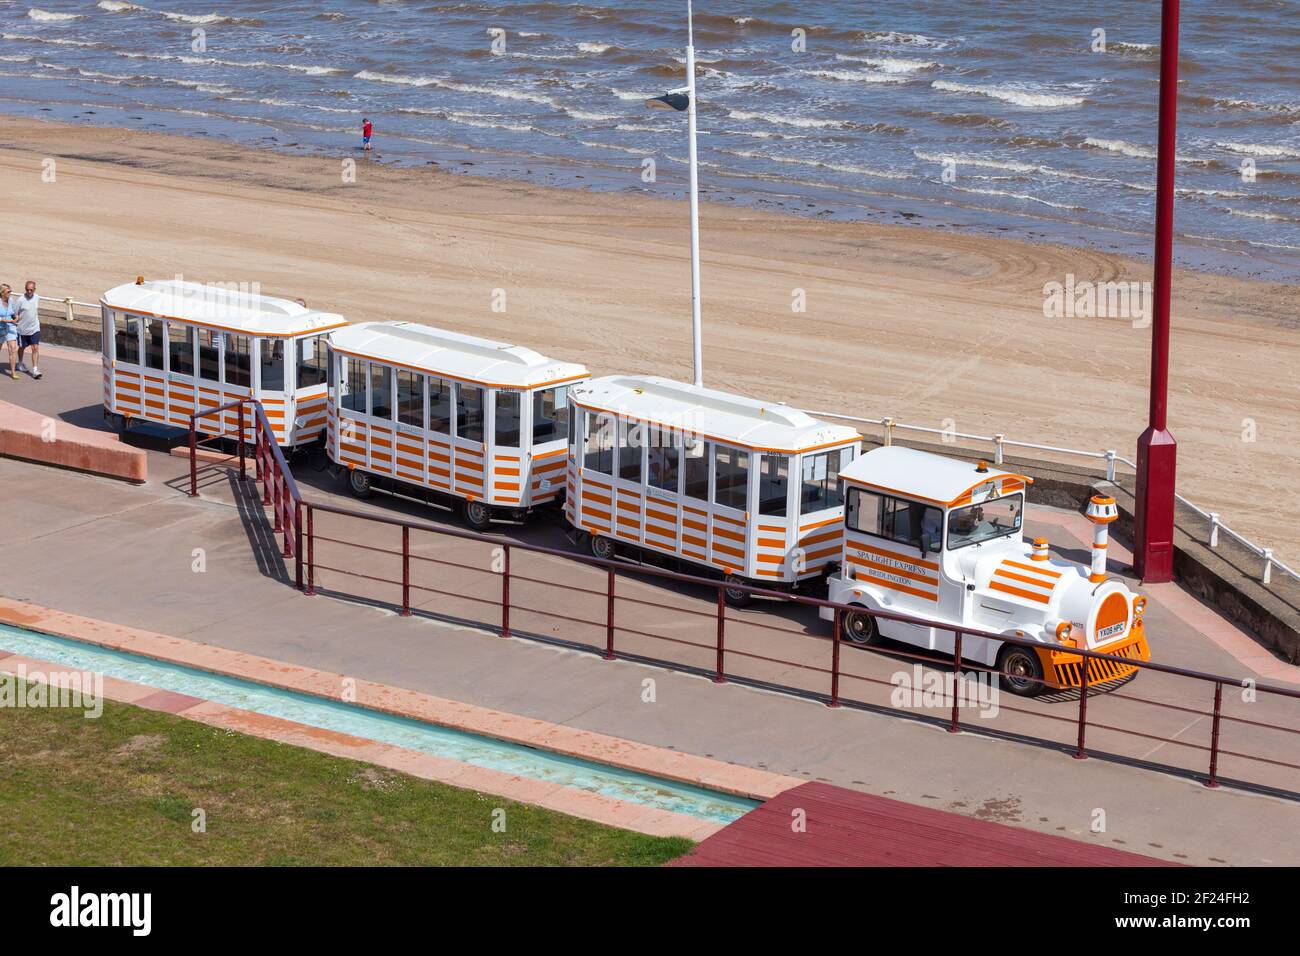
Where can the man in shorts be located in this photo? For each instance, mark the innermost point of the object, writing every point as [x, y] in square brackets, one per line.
[27, 312]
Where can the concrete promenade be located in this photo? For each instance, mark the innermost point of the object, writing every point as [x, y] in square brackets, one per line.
[207, 570]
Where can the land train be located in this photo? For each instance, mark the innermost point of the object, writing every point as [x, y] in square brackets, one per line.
[754, 492]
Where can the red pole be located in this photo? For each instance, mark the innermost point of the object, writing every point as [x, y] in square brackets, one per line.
[1157, 452]
[835, 662]
[194, 466]
[243, 472]
[719, 677]
[505, 593]
[955, 726]
[609, 615]
[297, 545]
[311, 554]
[1213, 782]
[406, 571]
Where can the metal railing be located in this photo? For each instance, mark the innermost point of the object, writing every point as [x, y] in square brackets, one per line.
[1109, 456]
[297, 520]
[69, 305]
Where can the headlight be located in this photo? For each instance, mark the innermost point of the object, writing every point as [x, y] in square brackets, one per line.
[1139, 605]
[1063, 631]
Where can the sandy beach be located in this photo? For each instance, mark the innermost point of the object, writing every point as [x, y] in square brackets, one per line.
[926, 326]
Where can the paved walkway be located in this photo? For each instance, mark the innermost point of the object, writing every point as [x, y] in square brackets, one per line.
[206, 570]
[816, 824]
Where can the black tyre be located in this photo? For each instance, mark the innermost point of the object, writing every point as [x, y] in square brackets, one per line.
[1022, 671]
[476, 515]
[359, 483]
[601, 547]
[735, 596]
[858, 627]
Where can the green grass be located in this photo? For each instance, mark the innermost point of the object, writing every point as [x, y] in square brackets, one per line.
[121, 790]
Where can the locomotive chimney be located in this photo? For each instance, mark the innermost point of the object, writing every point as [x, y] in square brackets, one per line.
[1101, 512]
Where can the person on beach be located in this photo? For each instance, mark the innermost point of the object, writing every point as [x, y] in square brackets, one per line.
[9, 328]
[366, 130]
[27, 313]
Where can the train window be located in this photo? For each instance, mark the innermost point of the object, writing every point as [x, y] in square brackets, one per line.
[354, 385]
[209, 355]
[381, 391]
[239, 363]
[731, 478]
[663, 455]
[469, 412]
[126, 339]
[820, 487]
[631, 438]
[328, 358]
[410, 398]
[440, 405]
[695, 468]
[153, 345]
[272, 370]
[505, 431]
[312, 361]
[550, 413]
[863, 511]
[599, 456]
[180, 348]
[909, 522]
[991, 519]
[773, 485]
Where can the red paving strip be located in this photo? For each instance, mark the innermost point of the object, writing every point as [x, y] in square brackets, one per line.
[847, 828]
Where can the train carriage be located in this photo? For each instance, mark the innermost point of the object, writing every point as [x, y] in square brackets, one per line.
[171, 348]
[746, 488]
[448, 418]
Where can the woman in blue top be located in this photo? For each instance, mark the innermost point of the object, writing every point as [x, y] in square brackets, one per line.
[9, 327]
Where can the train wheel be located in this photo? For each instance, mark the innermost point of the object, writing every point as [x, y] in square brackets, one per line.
[359, 483]
[859, 627]
[735, 596]
[476, 514]
[601, 547]
[1022, 671]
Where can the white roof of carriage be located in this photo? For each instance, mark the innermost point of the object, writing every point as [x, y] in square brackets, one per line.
[921, 474]
[452, 354]
[219, 306]
[710, 414]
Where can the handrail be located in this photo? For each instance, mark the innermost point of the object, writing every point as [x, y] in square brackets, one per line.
[281, 491]
[1111, 458]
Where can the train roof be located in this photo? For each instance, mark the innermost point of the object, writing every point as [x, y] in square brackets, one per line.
[217, 306]
[426, 349]
[711, 414]
[930, 477]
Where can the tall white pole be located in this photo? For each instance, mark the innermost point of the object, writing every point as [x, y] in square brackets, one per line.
[695, 197]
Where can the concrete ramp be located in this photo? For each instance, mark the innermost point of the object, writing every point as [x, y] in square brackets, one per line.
[45, 440]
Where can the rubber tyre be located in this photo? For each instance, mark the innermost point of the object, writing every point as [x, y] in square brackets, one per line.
[601, 547]
[858, 627]
[736, 598]
[476, 515]
[359, 483]
[1023, 665]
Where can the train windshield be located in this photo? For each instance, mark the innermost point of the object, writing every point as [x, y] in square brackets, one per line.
[985, 521]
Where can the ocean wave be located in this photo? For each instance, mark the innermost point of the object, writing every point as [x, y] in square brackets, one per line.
[57, 41]
[894, 38]
[1141, 152]
[588, 47]
[820, 164]
[45, 16]
[964, 160]
[205, 19]
[119, 6]
[1133, 49]
[1258, 149]
[1022, 196]
[890, 64]
[854, 76]
[781, 119]
[1010, 94]
[1250, 214]
[1219, 102]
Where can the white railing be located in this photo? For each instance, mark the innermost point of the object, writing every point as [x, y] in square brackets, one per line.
[1000, 442]
[70, 305]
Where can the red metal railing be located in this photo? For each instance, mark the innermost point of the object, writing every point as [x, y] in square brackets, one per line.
[297, 519]
[279, 490]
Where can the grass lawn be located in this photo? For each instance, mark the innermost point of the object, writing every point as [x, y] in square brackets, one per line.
[122, 790]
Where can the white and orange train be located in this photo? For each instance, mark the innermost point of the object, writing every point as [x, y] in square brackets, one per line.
[172, 348]
[753, 492]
